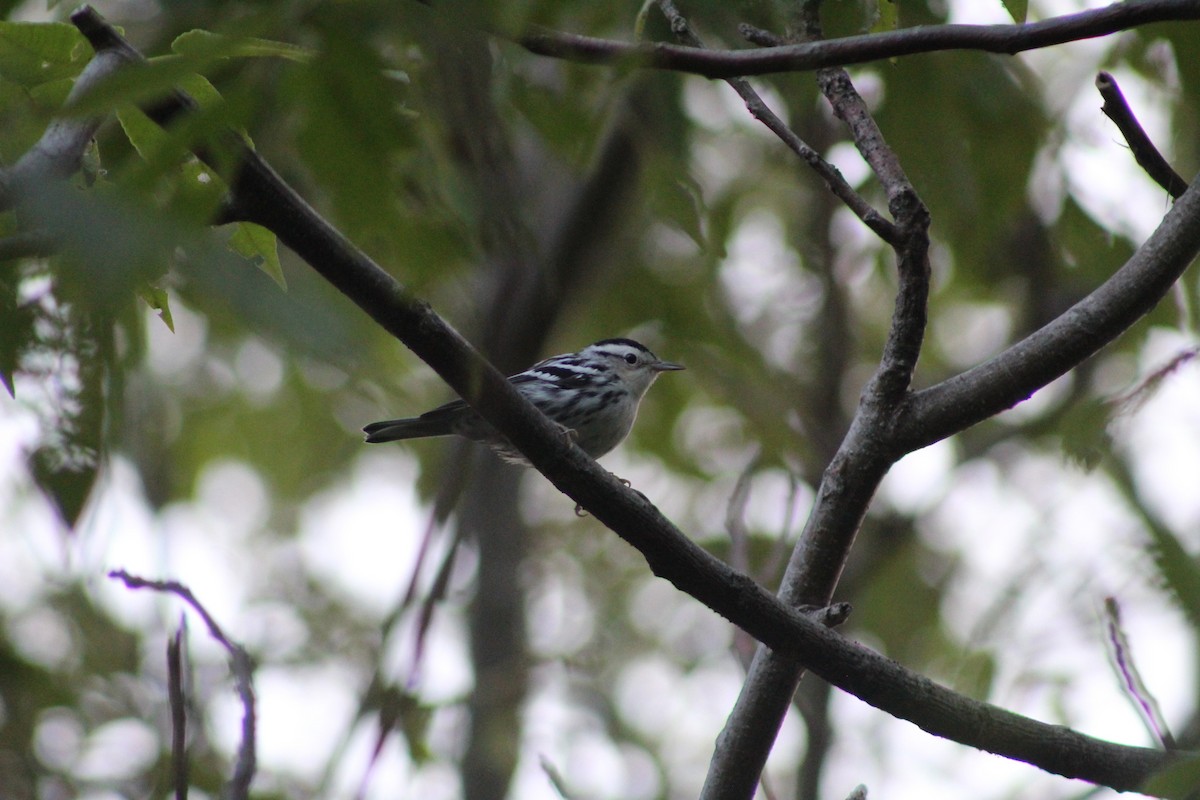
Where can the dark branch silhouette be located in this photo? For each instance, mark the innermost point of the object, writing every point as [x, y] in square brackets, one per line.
[240, 664]
[860, 462]
[1008, 39]
[1148, 157]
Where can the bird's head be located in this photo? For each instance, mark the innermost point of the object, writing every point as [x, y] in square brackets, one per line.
[633, 361]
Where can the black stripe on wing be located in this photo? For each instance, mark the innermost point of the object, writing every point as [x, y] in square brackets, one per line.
[566, 377]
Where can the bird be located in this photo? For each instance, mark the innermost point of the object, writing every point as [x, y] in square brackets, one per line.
[592, 394]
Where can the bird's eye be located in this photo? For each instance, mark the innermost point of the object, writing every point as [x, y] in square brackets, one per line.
[630, 358]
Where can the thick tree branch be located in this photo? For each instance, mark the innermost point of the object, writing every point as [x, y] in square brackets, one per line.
[861, 460]
[1008, 39]
[259, 194]
[1050, 352]
[59, 153]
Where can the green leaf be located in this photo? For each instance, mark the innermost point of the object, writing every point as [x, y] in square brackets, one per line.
[1178, 569]
[143, 133]
[1177, 781]
[686, 209]
[35, 53]
[140, 83]
[66, 481]
[1085, 436]
[352, 133]
[200, 89]
[157, 299]
[260, 246]
[1017, 9]
[208, 44]
[887, 16]
[198, 187]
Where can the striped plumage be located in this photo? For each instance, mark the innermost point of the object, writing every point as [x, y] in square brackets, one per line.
[594, 393]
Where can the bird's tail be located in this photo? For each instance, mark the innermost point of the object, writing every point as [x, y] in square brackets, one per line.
[391, 430]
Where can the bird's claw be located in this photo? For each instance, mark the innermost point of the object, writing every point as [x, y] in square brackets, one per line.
[581, 512]
[570, 434]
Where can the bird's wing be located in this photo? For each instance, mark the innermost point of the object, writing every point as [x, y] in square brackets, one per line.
[552, 373]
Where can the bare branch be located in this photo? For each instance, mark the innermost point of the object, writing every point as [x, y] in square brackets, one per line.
[240, 664]
[861, 460]
[1145, 153]
[832, 176]
[175, 693]
[1050, 352]
[27, 244]
[1131, 677]
[1009, 39]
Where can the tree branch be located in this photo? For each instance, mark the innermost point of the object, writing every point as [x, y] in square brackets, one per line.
[1085, 328]
[1145, 153]
[1009, 39]
[832, 176]
[262, 196]
[59, 152]
[240, 664]
[175, 694]
[861, 460]
[1000, 383]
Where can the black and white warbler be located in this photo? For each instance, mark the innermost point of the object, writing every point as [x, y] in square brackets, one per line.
[593, 394]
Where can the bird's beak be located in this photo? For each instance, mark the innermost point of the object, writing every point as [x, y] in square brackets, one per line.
[668, 366]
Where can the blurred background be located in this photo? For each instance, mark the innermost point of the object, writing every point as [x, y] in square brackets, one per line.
[429, 623]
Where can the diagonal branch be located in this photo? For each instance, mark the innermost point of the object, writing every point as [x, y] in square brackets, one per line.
[1009, 39]
[1145, 153]
[1050, 352]
[832, 176]
[59, 153]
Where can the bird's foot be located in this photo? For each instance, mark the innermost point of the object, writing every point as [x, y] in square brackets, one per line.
[580, 511]
[570, 434]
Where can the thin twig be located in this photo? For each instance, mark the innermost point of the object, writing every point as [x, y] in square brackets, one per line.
[175, 694]
[760, 37]
[27, 244]
[1131, 678]
[1148, 157]
[832, 176]
[240, 664]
